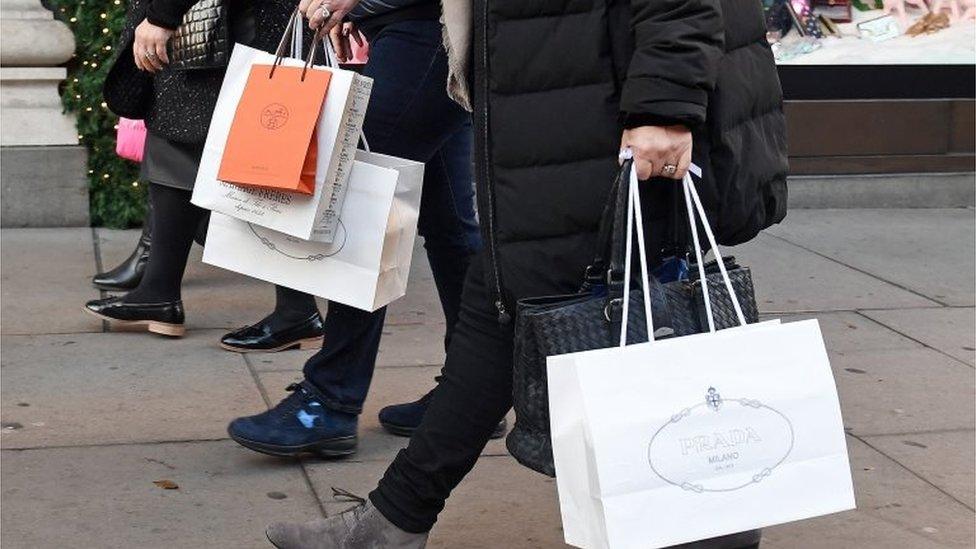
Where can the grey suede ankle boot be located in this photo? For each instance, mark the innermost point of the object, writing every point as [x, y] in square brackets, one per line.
[362, 527]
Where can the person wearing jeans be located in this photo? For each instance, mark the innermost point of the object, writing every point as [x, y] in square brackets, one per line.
[409, 116]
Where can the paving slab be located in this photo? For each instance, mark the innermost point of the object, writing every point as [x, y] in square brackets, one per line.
[929, 251]
[946, 459]
[45, 279]
[846, 332]
[499, 504]
[903, 391]
[390, 386]
[788, 278]
[895, 509]
[105, 497]
[951, 330]
[85, 389]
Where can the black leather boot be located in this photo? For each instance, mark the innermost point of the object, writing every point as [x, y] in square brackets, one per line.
[127, 275]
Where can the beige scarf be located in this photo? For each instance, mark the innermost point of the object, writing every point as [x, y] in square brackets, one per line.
[457, 23]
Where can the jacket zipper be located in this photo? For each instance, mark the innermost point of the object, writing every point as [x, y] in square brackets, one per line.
[487, 188]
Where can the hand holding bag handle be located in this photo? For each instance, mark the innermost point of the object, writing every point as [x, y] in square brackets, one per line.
[634, 210]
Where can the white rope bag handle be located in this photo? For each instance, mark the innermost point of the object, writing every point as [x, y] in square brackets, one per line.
[693, 204]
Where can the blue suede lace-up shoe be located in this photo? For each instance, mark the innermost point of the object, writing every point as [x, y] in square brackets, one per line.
[300, 424]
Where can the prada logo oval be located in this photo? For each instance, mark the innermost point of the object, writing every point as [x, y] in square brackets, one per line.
[720, 444]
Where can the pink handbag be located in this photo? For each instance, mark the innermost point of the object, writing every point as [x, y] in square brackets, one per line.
[130, 139]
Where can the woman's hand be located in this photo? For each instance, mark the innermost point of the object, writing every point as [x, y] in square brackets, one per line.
[149, 47]
[324, 15]
[659, 151]
[340, 35]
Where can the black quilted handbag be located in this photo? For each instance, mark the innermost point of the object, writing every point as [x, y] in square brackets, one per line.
[202, 41]
[207, 34]
[591, 319]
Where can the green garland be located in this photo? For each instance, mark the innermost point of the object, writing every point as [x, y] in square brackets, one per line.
[117, 198]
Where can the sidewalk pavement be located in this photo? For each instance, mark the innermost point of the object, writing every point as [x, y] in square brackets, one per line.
[90, 419]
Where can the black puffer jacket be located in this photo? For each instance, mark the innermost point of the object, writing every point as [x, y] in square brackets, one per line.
[178, 105]
[556, 81]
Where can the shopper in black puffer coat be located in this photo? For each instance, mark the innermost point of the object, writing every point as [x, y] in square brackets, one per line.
[558, 87]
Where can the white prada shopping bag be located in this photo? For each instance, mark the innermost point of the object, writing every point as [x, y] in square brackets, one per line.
[367, 264]
[338, 130]
[691, 438]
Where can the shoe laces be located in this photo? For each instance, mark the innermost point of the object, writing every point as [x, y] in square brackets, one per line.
[342, 495]
[299, 397]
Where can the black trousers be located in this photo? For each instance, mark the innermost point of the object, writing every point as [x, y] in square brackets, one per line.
[474, 394]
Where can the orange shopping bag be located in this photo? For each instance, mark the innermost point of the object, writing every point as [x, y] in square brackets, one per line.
[271, 144]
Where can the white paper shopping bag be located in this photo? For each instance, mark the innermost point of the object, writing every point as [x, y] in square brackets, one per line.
[309, 217]
[696, 437]
[367, 264]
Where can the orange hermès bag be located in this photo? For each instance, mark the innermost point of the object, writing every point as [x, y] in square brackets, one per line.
[272, 142]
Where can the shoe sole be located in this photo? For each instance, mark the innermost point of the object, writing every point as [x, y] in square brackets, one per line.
[307, 344]
[162, 328]
[109, 288]
[401, 431]
[332, 448]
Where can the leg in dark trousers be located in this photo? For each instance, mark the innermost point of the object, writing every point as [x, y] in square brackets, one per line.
[410, 116]
[447, 444]
[174, 224]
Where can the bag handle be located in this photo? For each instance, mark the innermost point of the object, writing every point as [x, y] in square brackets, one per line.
[694, 205]
[691, 197]
[296, 38]
[596, 271]
[634, 214]
[290, 34]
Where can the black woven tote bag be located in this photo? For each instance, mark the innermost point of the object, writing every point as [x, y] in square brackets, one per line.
[591, 319]
[554, 325]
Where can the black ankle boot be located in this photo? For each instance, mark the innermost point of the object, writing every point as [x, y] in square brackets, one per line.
[128, 274]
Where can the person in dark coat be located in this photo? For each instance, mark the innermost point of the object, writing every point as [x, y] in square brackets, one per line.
[558, 87]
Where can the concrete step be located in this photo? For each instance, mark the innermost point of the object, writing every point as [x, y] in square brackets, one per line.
[944, 190]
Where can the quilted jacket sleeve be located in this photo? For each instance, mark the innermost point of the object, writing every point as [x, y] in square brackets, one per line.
[168, 13]
[677, 47]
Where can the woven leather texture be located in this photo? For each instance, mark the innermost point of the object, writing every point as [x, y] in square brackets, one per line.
[688, 308]
[570, 324]
[555, 326]
[202, 41]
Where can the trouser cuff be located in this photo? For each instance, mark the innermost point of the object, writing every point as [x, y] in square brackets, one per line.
[386, 506]
[330, 402]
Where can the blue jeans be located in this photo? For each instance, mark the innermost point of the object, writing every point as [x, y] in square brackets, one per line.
[410, 116]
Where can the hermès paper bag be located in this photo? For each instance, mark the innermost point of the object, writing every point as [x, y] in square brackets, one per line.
[695, 437]
[368, 263]
[271, 143]
[337, 133]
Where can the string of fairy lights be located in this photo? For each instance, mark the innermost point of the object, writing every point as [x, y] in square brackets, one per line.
[117, 197]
